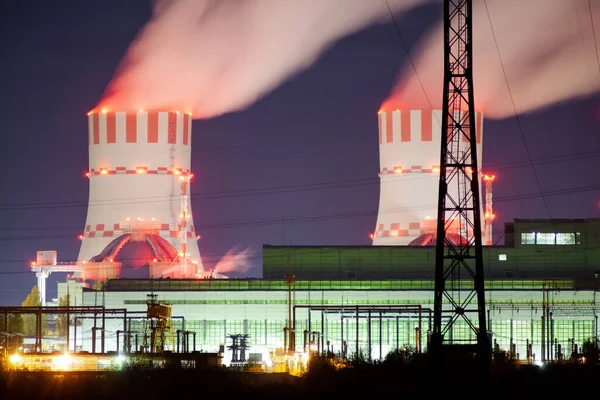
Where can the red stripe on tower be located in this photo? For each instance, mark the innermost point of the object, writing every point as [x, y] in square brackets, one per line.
[185, 128]
[111, 128]
[172, 127]
[405, 126]
[389, 127]
[153, 127]
[479, 126]
[131, 128]
[380, 117]
[426, 129]
[96, 128]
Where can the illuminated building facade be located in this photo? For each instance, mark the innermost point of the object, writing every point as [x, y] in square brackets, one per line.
[541, 296]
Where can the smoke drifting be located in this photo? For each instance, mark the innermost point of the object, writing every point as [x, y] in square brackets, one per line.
[211, 57]
[235, 260]
[216, 56]
[547, 48]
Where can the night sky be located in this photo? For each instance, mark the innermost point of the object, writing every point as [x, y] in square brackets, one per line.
[298, 167]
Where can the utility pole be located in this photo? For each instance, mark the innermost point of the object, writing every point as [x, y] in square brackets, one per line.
[459, 286]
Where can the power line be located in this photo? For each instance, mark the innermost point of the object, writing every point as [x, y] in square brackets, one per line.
[325, 217]
[283, 189]
[594, 33]
[581, 36]
[515, 111]
[412, 63]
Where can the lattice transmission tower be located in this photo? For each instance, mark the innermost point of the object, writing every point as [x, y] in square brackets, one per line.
[459, 299]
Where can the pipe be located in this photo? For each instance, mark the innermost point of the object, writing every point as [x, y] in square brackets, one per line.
[357, 349]
[380, 337]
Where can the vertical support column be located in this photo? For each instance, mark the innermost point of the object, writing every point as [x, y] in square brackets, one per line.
[369, 335]
[183, 252]
[380, 336]
[357, 321]
[41, 284]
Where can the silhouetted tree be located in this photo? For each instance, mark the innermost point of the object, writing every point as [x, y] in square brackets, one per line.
[61, 319]
[32, 300]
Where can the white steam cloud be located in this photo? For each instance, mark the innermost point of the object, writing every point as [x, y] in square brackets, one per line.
[210, 57]
[235, 260]
[547, 48]
[216, 56]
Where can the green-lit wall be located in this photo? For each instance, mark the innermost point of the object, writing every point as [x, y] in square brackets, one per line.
[400, 262]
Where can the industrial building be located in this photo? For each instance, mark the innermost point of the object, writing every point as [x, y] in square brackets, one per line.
[541, 291]
[540, 286]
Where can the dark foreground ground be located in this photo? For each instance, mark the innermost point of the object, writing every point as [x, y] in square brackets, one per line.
[322, 381]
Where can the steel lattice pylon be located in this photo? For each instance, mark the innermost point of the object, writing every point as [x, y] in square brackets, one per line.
[459, 286]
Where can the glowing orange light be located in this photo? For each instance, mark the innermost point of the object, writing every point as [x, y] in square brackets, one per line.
[104, 111]
[153, 219]
[176, 112]
[469, 170]
[435, 169]
[198, 237]
[154, 260]
[87, 174]
[371, 236]
[398, 170]
[110, 260]
[103, 171]
[141, 170]
[127, 219]
[33, 263]
[177, 171]
[141, 110]
[80, 237]
[89, 113]
[182, 178]
[489, 177]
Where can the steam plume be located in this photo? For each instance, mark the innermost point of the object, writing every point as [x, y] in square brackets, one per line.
[216, 56]
[547, 48]
[235, 260]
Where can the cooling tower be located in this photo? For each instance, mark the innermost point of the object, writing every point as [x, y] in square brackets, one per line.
[139, 211]
[409, 157]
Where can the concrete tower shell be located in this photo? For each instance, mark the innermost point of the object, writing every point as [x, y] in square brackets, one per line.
[138, 163]
[409, 158]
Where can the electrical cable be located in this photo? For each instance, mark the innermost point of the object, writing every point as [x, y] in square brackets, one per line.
[412, 63]
[594, 33]
[517, 118]
[281, 189]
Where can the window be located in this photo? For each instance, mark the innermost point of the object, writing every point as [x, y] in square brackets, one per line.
[565, 238]
[501, 257]
[545, 238]
[528, 238]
